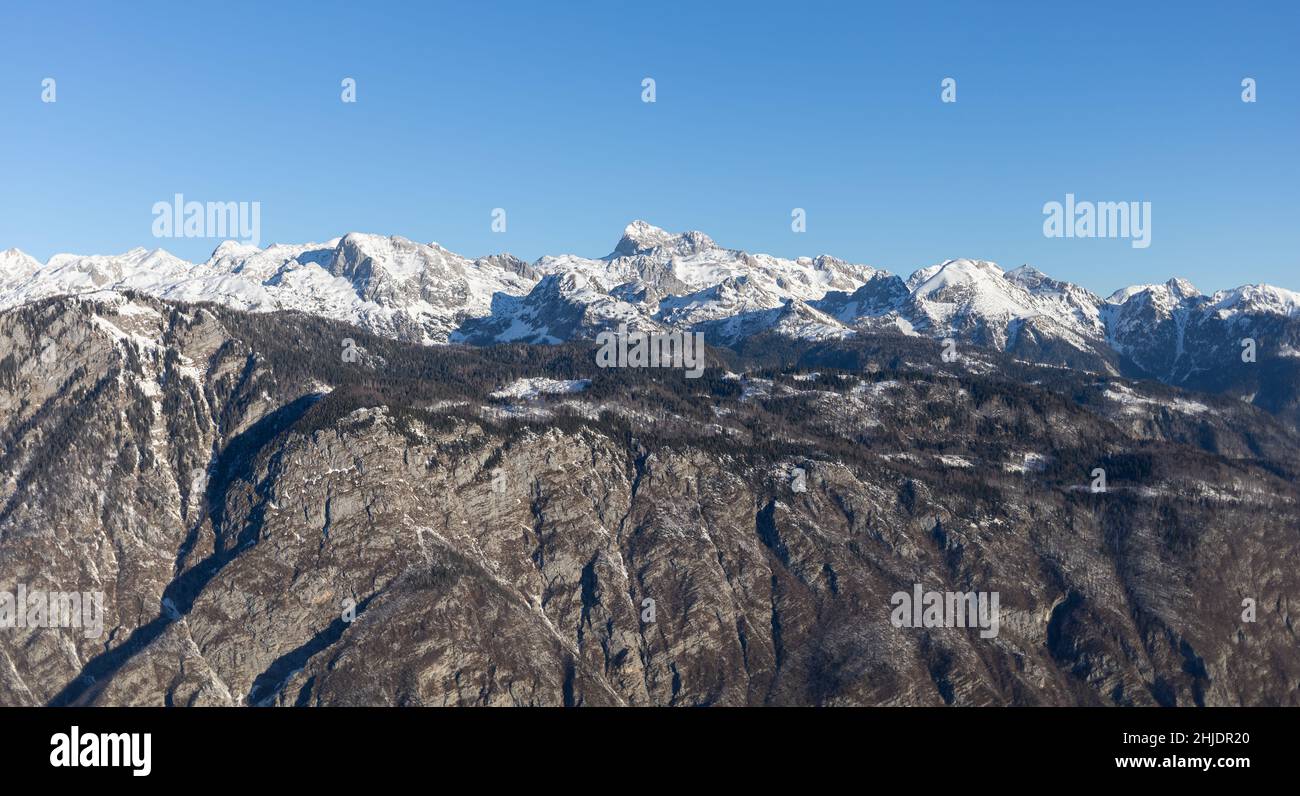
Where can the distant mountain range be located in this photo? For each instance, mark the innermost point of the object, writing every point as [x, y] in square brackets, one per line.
[656, 280]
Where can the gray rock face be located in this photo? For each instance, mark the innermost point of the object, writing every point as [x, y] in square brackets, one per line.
[882, 293]
[271, 523]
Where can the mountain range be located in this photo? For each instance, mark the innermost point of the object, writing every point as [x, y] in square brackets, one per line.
[655, 280]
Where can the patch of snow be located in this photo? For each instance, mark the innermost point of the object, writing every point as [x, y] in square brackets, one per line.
[532, 388]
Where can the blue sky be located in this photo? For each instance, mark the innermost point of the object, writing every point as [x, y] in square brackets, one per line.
[761, 108]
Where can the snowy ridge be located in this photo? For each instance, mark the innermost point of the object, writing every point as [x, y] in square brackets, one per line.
[655, 280]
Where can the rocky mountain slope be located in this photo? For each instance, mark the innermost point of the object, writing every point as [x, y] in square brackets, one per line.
[274, 523]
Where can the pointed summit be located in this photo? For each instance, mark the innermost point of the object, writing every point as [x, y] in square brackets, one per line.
[641, 237]
[232, 249]
[1182, 289]
[1028, 277]
[17, 264]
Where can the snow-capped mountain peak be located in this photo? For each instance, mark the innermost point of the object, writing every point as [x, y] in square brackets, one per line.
[233, 249]
[1255, 300]
[1182, 289]
[951, 272]
[641, 237]
[1170, 293]
[955, 273]
[959, 290]
[1040, 284]
[16, 264]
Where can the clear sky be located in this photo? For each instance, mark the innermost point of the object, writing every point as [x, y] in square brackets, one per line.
[761, 107]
